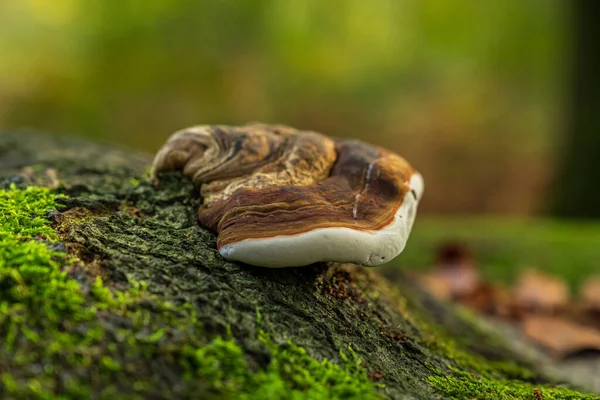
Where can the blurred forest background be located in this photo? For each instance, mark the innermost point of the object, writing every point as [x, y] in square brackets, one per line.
[472, 93]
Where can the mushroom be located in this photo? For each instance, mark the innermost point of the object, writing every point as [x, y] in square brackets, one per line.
[281, 197]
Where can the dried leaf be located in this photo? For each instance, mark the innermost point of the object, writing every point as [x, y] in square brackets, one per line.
[455, 266]
[436, 286]
[590, 293]
[560, 336]
[538, 291]
[490, 299]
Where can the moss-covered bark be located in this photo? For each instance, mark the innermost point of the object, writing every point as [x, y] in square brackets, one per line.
[199, 326]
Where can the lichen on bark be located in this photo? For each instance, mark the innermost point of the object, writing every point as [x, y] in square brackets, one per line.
[159, 313]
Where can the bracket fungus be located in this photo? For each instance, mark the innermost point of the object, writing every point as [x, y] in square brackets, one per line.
[281, 197]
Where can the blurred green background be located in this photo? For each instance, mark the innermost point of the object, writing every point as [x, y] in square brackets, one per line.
[470, 92]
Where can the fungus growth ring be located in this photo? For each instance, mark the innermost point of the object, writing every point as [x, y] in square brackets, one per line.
[281, 197]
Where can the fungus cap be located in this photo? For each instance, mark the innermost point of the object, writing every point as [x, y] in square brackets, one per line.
[280, 197]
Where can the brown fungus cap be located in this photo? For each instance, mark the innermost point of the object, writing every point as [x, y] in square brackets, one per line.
[281, 197]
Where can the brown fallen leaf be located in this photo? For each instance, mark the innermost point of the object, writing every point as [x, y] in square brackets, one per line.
[435, 286]
[560, 336]
[590, 293]
[541, 292]
[456, 267]
[490, 299]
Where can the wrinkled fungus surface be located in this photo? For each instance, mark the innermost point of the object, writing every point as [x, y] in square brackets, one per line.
[280, 197]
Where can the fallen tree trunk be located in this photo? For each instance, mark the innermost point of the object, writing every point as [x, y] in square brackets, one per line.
[143, 305]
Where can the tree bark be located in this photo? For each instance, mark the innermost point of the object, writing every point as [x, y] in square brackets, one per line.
[123, 228]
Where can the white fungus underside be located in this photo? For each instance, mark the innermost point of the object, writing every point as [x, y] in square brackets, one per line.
[369, 248]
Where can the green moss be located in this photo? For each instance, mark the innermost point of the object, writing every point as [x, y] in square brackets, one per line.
[291, 374]
[312, 379]
[455, 348]
[469, 361]
[467, 386]
[67, 335]
[448, 331]
[29, 270]
[472, 376]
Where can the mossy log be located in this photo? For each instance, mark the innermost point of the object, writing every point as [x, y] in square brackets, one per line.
[152, 310]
